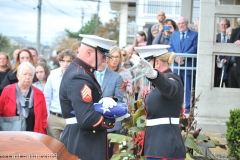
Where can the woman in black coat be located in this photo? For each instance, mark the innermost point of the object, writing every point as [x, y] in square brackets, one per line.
[5, 65]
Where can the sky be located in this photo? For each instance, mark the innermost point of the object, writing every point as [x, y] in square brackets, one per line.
[18, 18]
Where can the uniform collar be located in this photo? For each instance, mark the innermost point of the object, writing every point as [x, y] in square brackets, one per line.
[167, 70]
[84, 65]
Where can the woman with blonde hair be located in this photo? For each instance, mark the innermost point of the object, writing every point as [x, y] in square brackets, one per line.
[5, 65]
[125, 59]
[114, 63]
[24, 55]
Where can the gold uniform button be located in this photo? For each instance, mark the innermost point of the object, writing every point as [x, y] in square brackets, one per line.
[109, 124]
[103, 122]
[94, 131]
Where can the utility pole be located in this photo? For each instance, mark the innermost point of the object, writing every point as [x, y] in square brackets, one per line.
[96, 25]
[82, 17]
[39, 26]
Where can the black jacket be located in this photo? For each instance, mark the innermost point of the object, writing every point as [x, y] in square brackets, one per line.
[10, 78]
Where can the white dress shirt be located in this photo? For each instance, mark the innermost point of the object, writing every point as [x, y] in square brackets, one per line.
[51, 91]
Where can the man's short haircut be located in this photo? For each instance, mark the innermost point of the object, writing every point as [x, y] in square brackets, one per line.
[31, 48]
[66, 52]
[227, 21]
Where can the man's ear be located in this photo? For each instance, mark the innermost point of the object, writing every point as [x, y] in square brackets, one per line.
[89, 51]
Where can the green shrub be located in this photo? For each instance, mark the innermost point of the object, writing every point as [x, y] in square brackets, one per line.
[233, 134]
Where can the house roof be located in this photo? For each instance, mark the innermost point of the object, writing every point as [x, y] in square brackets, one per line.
[21, 42]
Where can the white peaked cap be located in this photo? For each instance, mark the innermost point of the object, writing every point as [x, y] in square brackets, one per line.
[152, 50]
[96, 41]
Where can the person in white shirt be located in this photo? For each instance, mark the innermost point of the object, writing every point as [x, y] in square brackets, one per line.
[56, 123]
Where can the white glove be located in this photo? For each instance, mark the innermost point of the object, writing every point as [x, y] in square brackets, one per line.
[122, 117]
[107, 102]
[135, 59]
[147, 69]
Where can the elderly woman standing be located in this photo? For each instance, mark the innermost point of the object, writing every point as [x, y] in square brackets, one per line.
[23, 55]
[14, 102]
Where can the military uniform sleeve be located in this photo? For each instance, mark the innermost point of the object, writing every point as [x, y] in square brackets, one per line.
[167, 85]
[83, 95]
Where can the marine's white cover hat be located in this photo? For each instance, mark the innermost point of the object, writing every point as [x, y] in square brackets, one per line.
[101, 44]
[151, 51]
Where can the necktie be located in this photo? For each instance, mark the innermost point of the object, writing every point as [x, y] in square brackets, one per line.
[182, 40]
[224, 39]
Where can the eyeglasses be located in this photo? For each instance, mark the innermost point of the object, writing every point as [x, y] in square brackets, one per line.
[124, 55]
[115, 57]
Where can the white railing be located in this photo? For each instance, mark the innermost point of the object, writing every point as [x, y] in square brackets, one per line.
[172, 7]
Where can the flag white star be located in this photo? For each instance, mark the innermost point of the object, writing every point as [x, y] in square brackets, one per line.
[105, 109]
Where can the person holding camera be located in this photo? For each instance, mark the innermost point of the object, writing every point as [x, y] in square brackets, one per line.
[165, 30]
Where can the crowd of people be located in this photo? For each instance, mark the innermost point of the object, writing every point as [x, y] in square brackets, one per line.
[95, 70]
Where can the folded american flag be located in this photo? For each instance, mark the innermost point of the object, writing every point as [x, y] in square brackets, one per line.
[117, 111]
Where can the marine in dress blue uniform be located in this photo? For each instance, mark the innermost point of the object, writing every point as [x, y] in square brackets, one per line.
[85, 134]
[163, 105]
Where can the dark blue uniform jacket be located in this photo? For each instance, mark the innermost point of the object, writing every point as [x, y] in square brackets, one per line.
[79, 90]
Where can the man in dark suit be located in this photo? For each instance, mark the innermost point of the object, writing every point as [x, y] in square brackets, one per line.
[222, 38]
[234, 73]
[184, 41]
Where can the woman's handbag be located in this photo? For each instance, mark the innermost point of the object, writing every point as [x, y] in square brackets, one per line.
[16, 123]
